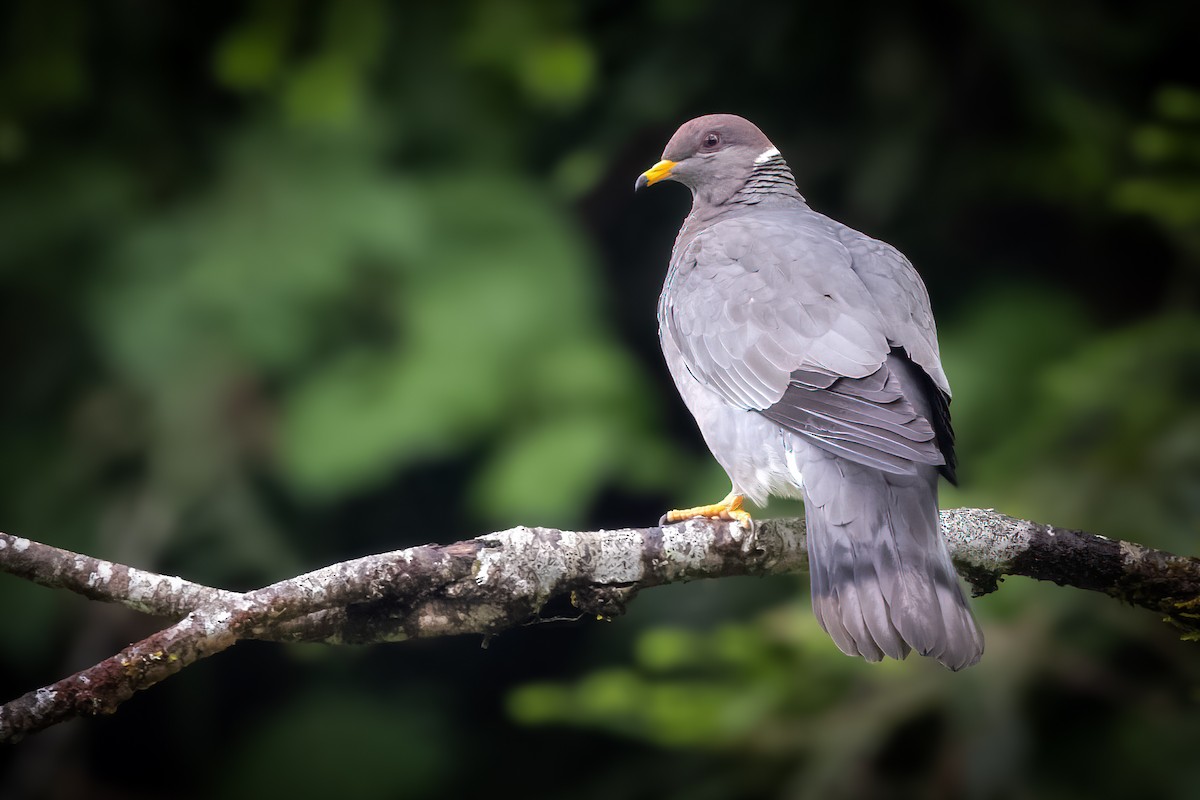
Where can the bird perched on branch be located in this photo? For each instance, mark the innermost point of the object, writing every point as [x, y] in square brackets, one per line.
[808, 355]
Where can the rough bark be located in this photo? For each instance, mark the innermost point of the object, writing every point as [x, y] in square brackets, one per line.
[501, 580]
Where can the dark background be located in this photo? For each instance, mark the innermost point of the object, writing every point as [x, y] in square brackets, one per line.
[287, 283]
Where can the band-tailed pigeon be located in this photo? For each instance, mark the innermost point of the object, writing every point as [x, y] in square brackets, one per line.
[808, 355]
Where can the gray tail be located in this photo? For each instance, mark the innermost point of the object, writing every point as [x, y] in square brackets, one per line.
[882, 580]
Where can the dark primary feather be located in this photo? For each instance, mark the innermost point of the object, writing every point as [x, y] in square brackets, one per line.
[940, 417]
[866, 420]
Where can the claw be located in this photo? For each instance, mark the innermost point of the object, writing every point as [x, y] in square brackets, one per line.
[730, 509]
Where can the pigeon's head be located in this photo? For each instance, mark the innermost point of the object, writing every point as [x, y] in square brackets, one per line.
[712, 155]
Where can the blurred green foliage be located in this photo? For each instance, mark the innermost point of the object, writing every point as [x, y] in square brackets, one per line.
[1168, 148]
[287, 282]
[395, 754]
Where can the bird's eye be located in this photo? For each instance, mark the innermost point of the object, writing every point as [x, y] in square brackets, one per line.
[712, 140]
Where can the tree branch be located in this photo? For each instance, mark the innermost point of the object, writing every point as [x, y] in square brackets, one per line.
[502, 580]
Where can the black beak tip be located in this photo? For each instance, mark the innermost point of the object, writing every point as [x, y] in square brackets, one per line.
[640, 183]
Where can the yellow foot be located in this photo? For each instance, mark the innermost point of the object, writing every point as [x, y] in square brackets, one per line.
[729, 509]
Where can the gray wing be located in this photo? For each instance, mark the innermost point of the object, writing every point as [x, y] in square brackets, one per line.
[904, 302]
[770, 314]
[900, 293]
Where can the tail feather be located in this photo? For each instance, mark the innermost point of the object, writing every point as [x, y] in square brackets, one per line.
[868, 585]
[882, 579]
[824, 583]
[852, 618]
[848, 627]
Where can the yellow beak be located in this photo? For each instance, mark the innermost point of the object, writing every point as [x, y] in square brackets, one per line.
[653, 175]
